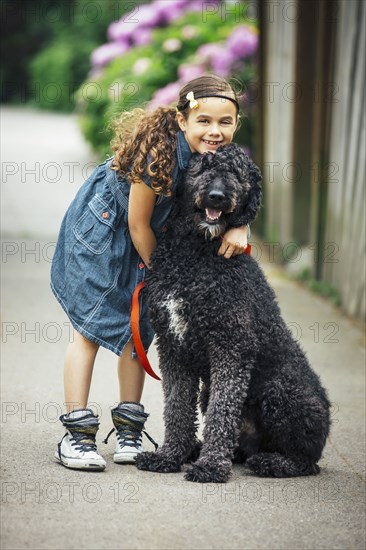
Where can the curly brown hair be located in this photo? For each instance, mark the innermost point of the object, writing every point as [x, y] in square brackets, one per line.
[139, 134]
[145, 142]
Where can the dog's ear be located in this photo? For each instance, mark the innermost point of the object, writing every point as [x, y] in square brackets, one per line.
[195, 167]
[248, 211]
[199, 163]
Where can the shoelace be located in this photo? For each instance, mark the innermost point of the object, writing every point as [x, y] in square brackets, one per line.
[130, 435]
[82, 442]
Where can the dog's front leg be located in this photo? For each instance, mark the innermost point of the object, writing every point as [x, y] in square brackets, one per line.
[180, 386]
[229, 388]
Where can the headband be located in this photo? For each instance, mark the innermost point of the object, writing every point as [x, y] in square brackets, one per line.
[193, 103]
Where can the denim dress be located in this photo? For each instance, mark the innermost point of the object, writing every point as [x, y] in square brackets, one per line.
[96, 268]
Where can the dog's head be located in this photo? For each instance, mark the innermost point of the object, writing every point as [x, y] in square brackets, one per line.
[221, 189]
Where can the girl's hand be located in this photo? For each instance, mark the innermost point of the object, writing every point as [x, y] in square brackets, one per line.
[234, 242]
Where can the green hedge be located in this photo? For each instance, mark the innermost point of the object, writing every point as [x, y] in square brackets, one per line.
[58, 71]
[47, 46]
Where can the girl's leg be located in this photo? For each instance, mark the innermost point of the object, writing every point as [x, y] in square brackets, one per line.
[79, 363]
[129, 416]
[131, 376]
[78, 449]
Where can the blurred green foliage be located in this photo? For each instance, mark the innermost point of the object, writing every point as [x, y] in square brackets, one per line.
[46, 47]
[57, 71]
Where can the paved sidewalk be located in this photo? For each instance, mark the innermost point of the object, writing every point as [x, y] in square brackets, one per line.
[45, 506]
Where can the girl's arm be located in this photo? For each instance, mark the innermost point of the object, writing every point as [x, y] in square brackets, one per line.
[140, 209]
[234, 241]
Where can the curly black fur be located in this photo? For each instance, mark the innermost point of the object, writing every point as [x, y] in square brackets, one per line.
[218, 322]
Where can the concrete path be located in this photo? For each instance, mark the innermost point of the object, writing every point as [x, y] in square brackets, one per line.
[45, 506]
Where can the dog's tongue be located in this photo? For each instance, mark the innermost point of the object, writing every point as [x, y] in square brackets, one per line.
[213, 213]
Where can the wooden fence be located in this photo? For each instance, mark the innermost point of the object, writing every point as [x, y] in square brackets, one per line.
[312, 138]
[345, 208]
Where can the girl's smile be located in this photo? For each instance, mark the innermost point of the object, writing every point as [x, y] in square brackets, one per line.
[212, 124]
[213, 144]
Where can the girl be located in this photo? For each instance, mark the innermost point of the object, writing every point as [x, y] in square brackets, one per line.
[104, 247]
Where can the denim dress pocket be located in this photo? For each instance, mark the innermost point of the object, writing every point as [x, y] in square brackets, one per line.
[96, 226]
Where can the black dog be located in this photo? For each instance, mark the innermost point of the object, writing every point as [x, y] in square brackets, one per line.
[217, 320]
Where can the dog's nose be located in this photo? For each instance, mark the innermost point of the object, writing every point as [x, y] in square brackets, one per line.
[216, 196]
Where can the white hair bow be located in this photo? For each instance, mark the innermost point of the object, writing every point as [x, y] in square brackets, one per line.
[193, 103]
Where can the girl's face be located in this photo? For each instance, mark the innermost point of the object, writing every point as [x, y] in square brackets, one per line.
[212, 124]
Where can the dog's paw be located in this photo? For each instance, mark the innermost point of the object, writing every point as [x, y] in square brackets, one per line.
[277, 465]
[157, 462]
[204, 472]
[195, 453]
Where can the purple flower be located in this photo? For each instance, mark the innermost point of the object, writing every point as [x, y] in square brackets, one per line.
[165, 96]
[141, 37]
[203, 5]
[121, 30]
[163, 5]
[222, 63]
[170, 11]
[207, 52]
[243, 42]
[188, 72]
[105, 53]
[218, 57]
[147, 15]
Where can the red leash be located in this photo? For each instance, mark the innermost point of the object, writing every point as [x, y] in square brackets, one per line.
[135, 322]
[135, 326]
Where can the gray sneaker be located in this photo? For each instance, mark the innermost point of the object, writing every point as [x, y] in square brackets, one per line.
[78, 449]
[129, 420]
